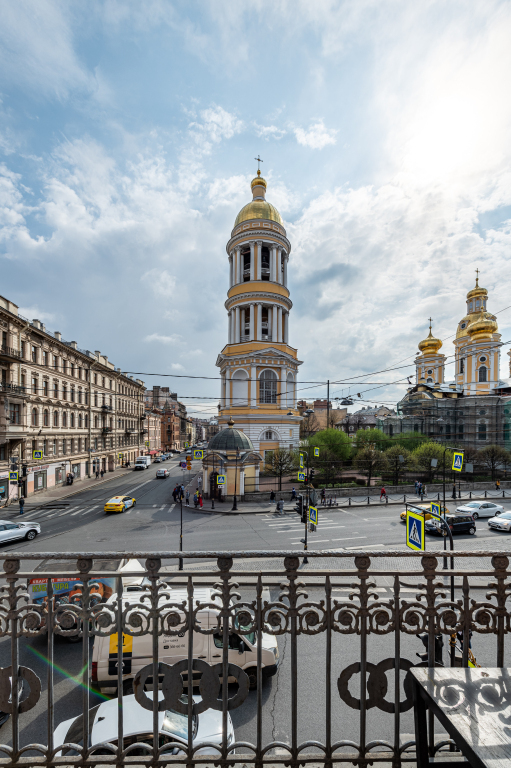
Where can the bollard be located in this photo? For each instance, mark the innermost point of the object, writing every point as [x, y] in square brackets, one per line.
[386, 499]
[486, 494]
[470, 494]
[368, 501]
[422, 496]
[349, 501]
[438, 496]
[404, 499]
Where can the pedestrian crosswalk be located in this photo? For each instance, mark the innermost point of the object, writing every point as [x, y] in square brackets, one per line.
[290, 530]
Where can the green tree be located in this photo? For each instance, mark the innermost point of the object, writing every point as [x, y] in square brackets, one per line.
[397, 459]
[336, 442]
[370, 461]
[421, 459]
[492, 457]
[280, 462]
[365, 438]
[409, 440]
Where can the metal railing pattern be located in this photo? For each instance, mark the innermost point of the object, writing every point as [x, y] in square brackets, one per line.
[363, 614]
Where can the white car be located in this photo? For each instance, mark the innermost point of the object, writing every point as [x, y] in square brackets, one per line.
[138, 728]
[501, 523]
[10, 531]
[480, 509]
[162, 473]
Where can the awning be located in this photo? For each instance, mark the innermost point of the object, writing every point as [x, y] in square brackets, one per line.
[153, 452]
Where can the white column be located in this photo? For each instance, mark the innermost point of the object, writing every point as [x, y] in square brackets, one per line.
[279, 323]
[253, 387]
[286, 327]
[285, 268]
[259, 334]
[238, 266]
[229, 315]
[242, 482]
[231, 271]
[257, 478]
[278, 277]
[259, 258]
[273, 263]
[252, 273]
[237, 325]
[274, 315]
[251, 336]
[283, 382]
[242, 324]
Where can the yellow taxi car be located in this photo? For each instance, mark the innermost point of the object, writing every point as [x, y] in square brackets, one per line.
[119, 504]
[421, 508]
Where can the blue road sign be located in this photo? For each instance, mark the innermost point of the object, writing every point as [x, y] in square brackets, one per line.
[415, 533]
[457, 461]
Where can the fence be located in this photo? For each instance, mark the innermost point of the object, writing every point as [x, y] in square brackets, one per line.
[345, 649]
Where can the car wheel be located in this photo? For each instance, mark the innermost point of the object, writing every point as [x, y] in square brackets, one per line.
[475, 515]
[252, 678]
[134, 503]
[30, 535]
[472, 530]
[127, 688]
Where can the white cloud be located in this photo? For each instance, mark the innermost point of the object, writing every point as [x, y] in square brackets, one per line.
[177, 367]
[35, 313]
[316, 137]
[269, 131]
[160, 339]
[162, 283]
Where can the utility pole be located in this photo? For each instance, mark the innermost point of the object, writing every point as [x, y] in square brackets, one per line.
[181, 533]
[327, 403]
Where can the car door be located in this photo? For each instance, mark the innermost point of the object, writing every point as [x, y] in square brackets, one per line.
[489, 510]
[4, 534]
[128, 502]
[13, 531]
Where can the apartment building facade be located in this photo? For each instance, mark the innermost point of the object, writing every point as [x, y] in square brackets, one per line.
[63, 410]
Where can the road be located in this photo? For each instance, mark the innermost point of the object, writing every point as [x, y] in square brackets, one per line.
[154, 525]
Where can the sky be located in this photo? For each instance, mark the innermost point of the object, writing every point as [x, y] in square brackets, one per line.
[128, 132]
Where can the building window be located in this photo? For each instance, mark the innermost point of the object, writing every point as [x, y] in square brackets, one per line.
[23, 380]
[71, 446]
[481, 432]
[79, 395]
[55, 418]
[460, 431]
[79, 448]
[430, 372]
[72, 419]
[86, 420]
[46, 418]
[45, 358]
[482, 359]
[429, 380]
[64, 446]
[64, 392]
[95, 443]
[448, 430]
[95, 399]
[45, 447]
[269, 435]
[55, 362]
[462, 365]
[14, 413]
[80, 420]
[72, 394]
[22, 349]
[95, 422]
[55, 449]
[55, 389]
[482, 373]
[95, 378]
[45, 388]
[268, 387]
[64, 419]
[71, 370]
[34, 417]
[34, 386]
[34, 354]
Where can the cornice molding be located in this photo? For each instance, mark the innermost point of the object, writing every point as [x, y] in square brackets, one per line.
[255, 234]
[253, 297]
[266, 352]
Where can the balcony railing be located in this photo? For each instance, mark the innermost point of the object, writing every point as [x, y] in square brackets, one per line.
[12, 389]
[130, 430]
[339, 634]
[106, 408]
[143, 431]
[9, 352]
[106, 430]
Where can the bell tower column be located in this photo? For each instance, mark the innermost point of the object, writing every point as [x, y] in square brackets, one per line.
[259, 258]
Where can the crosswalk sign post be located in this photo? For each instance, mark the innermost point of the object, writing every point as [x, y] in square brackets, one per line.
[198, 454]
[301, 461]
[435, 509]
[220, 479]
[313, 515]
[301, 477]
[316, 452]
[37, 454]
[457, 461]
[415, 531]
[13, 478]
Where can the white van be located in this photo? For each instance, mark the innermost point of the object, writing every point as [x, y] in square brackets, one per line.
[142, 462]
[137, 651]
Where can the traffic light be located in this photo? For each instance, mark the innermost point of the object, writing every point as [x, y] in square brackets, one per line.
[299, 508]
[439, 644]
[311, 475]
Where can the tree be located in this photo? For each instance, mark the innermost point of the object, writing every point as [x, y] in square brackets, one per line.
[370, 461]
[365, 438]
[393, 455]
[309, 425]
[409, 440]
[421, 459]
[280, 462]
[492, 457]
[334, 448]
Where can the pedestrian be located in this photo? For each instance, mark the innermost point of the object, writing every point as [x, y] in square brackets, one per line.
[187, 498]
[102, 472]
[280, 507]
[323, 496]
[383, 493]
[195, 499]
[272, 495]
[174, 494]
[497, 485]
[425, 490]
[200, 499]
[181, 493]
[416, 487]
[454, 490]
[293, 494]
[97, 473]
[22, 505]
[419, 488]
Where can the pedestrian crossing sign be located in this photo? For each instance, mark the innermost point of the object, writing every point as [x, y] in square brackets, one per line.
[435, 509]
[301, 461]
[313, 515]
[316, 451]
[457, 461]
[220, 479]
[37, 454]
[301, 477]
[13, 476]
[187, 445]
[198, 454]
[415, 534]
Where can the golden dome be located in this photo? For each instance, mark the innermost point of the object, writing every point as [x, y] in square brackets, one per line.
[258, 209]
[430, 345]
[463, 326]
[258, 181]
[482, 326]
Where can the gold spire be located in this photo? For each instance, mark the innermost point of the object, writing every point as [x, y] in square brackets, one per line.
[477, 291]
[430, 345]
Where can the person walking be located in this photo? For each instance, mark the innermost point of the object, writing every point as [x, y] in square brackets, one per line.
[416, 487]
[174, 494]
[195, 499]
[102, 472]
[497, 485]
[22, 505]
[97, 473]
[200, 499]
[182, 492]
[280, 507]
[425, 490]
[293, 494]
[187, 498]
[272, 495]
[383, 493]
[323, 496]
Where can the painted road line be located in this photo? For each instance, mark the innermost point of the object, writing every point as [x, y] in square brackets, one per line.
[172, 507]
[349, 538]
[387, 517]
[155, 505]
[371, 546]
[77, 511]
[319, 541]
[89, 510]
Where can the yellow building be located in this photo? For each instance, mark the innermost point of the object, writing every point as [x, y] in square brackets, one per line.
[258, 366]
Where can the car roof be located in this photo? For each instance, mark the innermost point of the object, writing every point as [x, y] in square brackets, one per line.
[115, 497]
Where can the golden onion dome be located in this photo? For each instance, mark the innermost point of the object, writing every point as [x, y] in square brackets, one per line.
[463, 326]
[482, 326]
[477, 291]
[258, 208]
[430, 345]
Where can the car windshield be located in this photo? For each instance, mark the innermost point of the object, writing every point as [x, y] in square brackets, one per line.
[177, 724]
[473, 504]
[506, 515]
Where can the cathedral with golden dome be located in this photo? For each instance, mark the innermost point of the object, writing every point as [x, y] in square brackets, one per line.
[472, 404]
[258, 366]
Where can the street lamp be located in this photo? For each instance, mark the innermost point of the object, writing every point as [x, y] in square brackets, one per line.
[234, 503]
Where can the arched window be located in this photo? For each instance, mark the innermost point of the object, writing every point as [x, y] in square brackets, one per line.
[55, 418]
[429, 380]
[95, 422]
[240, 388]
[290, 394]
[481, 432]
[482, 373]
[462, 365]
[268, 387]
[72, 421]
[80, 420]
[55, 449]
[46, 418]
[64, 419]
[34, 417]
[269, 435]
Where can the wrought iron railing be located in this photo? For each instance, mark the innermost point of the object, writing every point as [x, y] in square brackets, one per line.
[346, 623]
[14, 389]
[9, 351]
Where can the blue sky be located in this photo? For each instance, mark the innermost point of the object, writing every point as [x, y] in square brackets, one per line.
[127, 137]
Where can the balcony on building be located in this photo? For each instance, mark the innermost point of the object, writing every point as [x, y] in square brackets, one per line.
[9, 353]
[106, 407]
[106, 430]
[13, 389]
[130, 430]
[143, 431]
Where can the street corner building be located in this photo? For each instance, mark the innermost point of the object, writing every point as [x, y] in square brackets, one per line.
[63, 410]
[258, 366]
[474, 407]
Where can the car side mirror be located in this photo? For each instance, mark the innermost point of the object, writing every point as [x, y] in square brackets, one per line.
[242, 647]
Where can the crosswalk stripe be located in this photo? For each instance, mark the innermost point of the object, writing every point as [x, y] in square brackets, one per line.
[75, 513]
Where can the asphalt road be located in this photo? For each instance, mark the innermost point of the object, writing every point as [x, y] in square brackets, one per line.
[154, 524]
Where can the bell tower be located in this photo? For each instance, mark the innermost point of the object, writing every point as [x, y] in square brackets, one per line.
[258, 366]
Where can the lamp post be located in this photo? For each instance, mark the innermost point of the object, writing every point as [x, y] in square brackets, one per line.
[234, 503]
[181, 533]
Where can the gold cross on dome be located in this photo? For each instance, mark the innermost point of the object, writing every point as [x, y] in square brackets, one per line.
[477, 278]
[258, 161]
[430, 321]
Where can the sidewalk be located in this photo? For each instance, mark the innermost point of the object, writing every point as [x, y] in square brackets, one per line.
[64, 491]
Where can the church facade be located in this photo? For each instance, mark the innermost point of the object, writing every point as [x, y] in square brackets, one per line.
[470, 405]
[258, 366]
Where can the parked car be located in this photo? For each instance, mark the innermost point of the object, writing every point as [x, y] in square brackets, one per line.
[501, 523]
[119, 504]
[480, 509]
[10, 531]
[157, 460]
[457, 524]
[162, 473]
[138, 728]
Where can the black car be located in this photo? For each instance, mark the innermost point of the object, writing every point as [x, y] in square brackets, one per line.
[457, 524]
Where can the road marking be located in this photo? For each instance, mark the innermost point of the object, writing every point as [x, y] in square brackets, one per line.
[77, 511]
[162, 507]
[172, 507]
[387, 517]
[372, 546]
[90, 510]
[155, 505]
[319, 541]
[348, 538]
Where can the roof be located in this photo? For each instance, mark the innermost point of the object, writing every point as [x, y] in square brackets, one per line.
[229, 439]
[258, 209]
